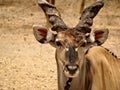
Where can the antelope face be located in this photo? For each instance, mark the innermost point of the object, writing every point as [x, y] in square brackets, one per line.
[71, 46]
[69, 51]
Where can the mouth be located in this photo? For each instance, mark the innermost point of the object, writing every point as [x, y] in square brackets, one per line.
[71, 71]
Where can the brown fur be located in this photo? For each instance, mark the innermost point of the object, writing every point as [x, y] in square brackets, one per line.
[106, 69]
[51, 1]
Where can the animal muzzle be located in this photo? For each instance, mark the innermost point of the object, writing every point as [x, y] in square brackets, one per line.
[71, 70]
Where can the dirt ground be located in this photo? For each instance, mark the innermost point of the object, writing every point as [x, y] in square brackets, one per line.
[27, 65]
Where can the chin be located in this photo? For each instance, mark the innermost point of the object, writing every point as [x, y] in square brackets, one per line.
[71, 75]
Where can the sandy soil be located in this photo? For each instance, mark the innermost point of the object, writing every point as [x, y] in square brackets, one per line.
[27, 65]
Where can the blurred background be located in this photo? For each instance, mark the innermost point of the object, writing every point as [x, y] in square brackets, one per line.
[27, 65]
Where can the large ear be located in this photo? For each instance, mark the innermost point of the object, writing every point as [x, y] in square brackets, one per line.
[99, 36]
[42, 35]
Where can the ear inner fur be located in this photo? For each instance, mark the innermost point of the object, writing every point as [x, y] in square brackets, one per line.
[98, 34]
[43, 32]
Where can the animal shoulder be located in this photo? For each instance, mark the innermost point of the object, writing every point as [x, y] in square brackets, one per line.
[100, 51]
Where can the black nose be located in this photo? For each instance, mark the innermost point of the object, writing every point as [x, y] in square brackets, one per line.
[72, 68]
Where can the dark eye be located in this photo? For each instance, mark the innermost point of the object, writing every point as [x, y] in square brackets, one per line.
[58, 43]
[83, 44]
[80, 37]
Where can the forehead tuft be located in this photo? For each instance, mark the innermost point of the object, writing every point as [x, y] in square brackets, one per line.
[70, 32]
[71, 36]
